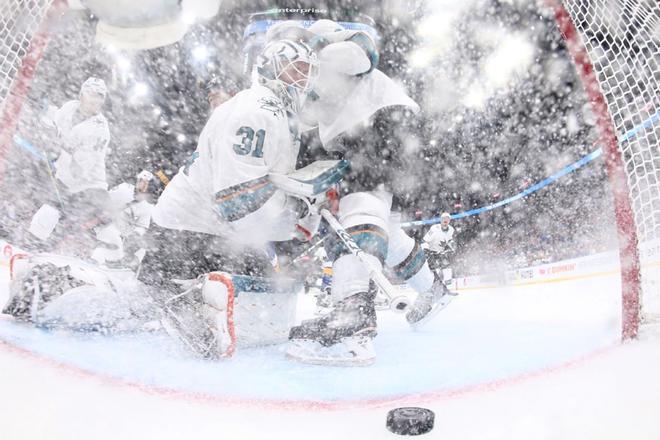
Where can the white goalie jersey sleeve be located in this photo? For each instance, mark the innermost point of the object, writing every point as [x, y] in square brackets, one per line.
[224, 189]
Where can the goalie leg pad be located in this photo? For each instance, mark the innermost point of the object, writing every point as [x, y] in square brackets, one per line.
[408, 260]
[218, 311]
[350, 277]
[365, 215]
[201, 317]
[41, 284]
[360, 208]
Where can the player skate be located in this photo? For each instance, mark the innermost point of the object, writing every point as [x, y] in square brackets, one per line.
[440, 247]
[429, 303]
[342, 337]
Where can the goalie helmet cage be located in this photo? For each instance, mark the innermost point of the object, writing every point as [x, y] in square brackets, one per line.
[613, 44]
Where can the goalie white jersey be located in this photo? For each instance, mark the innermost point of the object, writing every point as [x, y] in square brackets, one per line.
[440, 240]
[224, 187]
[349, 89]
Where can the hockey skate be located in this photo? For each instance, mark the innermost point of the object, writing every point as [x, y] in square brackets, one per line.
[343, 337]
[428, 304]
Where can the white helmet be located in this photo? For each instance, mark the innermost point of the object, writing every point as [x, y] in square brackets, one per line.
[288, 30]
[290, 69]
[94, 85]
[325, 26]
[145, 175]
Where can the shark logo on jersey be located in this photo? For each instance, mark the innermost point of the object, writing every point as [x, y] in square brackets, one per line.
[272, 105]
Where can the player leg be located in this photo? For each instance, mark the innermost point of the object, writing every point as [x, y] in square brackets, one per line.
[408, 261]
[344, 336]
[446, 271]
[86, 228]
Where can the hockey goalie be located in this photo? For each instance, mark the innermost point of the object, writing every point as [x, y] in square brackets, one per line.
[206, 277]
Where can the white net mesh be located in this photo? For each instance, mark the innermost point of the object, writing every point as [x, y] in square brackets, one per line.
[621, 38]
[19, 22]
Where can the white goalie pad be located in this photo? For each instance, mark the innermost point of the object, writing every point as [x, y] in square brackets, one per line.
[264, 309]
[238, 311]
[87, 273]
[80, 297]
[313, 179]
[55, 291]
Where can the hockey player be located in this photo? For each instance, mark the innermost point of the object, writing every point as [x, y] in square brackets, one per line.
[362, 114]
[221, 209]
[440, 247]
[82, 138]
[134, 219]
[80, 144]
[220, 90]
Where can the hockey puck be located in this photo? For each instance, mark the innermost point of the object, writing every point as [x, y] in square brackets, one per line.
[410, 421]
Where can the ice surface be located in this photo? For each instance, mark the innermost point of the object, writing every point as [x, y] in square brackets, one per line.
[541, 359]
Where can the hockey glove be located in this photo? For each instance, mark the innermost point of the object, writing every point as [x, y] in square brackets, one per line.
[309, 218]
[309, 209]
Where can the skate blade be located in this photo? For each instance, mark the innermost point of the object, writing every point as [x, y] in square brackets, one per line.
[444, 302]
[313, 353]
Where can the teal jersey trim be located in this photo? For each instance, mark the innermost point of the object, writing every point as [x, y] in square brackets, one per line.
[240, 200]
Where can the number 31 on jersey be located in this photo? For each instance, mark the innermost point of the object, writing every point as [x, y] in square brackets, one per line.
[248, 135]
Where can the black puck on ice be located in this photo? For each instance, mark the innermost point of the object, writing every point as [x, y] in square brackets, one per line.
[410, 420]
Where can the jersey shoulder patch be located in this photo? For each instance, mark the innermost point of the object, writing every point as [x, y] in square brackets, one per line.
[264, 99]
[273, 105]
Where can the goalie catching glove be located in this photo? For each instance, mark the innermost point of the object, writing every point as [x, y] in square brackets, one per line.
[313, 188]
[308, 224]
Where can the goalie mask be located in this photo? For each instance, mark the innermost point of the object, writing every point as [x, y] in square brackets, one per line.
[290, 69]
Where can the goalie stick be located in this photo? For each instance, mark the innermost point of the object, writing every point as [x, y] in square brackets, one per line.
[398, 303]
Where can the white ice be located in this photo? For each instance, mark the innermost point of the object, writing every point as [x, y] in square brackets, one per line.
[535, 362]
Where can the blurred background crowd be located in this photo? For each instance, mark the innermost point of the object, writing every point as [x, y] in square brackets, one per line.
[502, 107]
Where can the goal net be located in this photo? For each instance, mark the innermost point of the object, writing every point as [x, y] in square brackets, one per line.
[23, 38]
[614, 44]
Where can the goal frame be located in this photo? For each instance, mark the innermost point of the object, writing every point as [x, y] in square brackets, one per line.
[629, 244]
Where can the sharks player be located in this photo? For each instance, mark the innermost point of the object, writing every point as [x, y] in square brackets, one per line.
[80, 145]
[361, 113]
[82, 137]
[440, 246]
[221, 210]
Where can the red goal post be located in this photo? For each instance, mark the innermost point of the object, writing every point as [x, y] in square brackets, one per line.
[614, 45]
